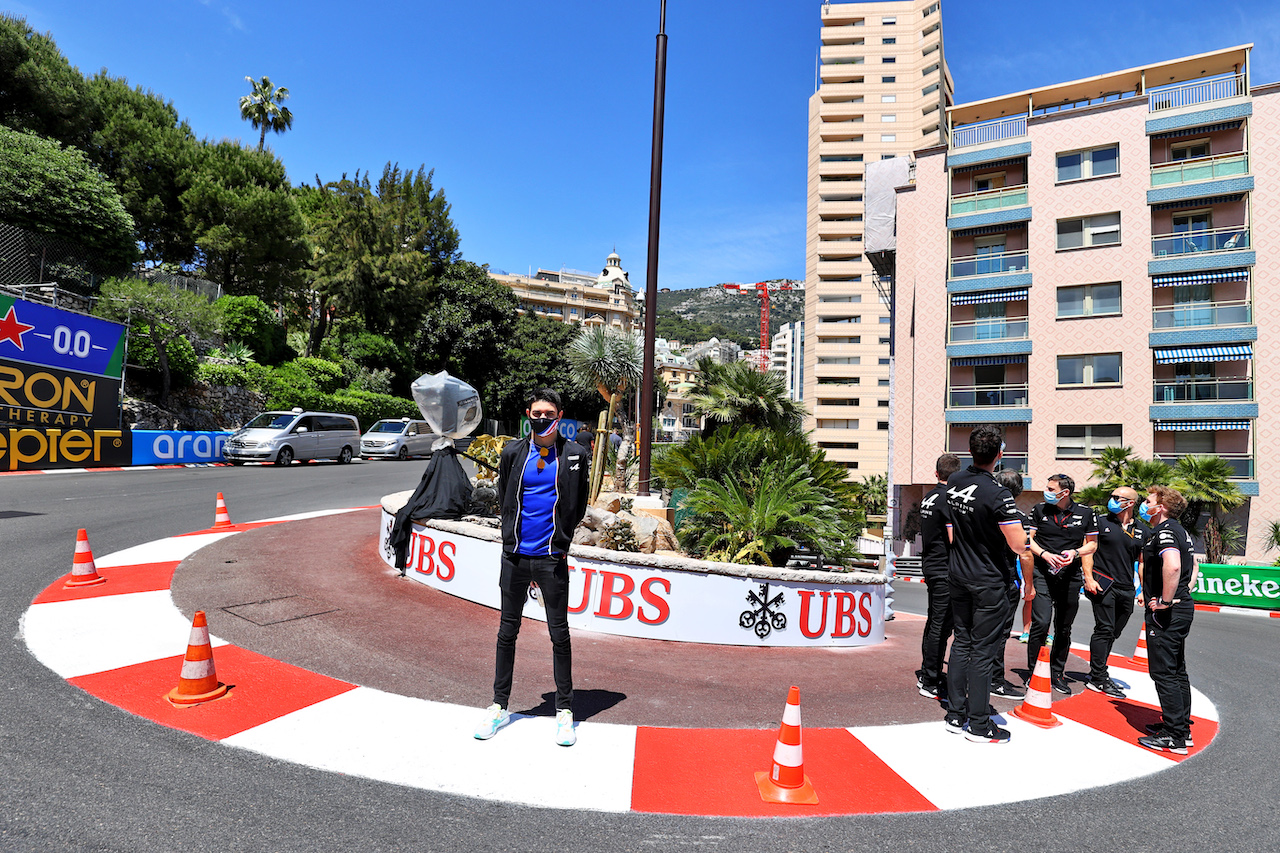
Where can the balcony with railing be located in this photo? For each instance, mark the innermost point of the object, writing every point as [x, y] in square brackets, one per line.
[989, 329]
[1197, 92]
[1203, 391]
[1016, 461]
[1198, 169]
[1241, 463]
[1227, 239]
[987, 200]
[993, 263]
[986, 396]
[979, 133]
[1236, 312]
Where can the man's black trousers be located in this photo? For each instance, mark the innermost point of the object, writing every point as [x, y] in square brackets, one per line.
[1111, 612]
[937, 630]
[1167, 632]
[979, 613]
[1057, 600]
[551, 574]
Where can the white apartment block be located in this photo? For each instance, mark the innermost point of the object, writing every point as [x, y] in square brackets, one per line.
[787, 357]
[572, 296]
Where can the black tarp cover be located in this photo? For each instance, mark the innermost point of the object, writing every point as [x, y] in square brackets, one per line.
[443, 492]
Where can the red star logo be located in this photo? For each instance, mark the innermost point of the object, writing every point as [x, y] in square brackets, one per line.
[12, 329]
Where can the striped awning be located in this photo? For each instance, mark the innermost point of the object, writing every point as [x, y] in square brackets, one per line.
[1196, 131]
[996, 164]
[982, 360]
[1197, 202]
[985, 296]
[1198, 426]
[1200, 277]
[989, 229]
[1189, 354]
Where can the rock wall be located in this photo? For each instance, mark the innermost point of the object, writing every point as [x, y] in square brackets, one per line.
[197, 407]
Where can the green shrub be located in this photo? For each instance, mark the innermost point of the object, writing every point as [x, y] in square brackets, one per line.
[250, 321]
[232, 375]
[184, 365]
[325, 375]
[376, 381]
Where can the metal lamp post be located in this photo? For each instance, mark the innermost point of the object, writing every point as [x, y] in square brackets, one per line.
[651, 275]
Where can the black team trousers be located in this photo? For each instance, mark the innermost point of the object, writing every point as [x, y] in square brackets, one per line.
[551, 573]
[979, 613]
[1167, 632]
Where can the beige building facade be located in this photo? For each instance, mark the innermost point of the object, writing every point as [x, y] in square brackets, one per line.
[572, 296]
[883, 91]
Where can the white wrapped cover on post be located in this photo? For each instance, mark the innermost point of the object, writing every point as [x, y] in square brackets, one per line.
[449, 405]
[881, 202]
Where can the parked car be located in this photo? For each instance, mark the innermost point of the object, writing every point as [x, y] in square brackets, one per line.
[282, 437]
[397, 439]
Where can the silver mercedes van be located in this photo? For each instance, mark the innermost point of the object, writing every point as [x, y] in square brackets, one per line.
[282, 437]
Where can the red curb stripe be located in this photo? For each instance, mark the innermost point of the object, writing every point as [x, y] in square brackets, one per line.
[262, 689]
[712, 772]
[1126, 719]
[143, 577]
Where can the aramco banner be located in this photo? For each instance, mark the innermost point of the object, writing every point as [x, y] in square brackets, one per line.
[59, 389]
[171, 447]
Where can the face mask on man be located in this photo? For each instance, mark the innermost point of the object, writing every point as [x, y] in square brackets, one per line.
[1115, 507]
[1050, 497]
[543, 427]
[1144, 513]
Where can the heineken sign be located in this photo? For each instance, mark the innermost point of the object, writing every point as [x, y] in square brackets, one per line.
[1238, 586]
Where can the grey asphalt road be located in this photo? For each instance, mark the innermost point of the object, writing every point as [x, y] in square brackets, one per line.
[79, 775]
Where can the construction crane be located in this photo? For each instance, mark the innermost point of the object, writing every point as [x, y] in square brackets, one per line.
[762, 290]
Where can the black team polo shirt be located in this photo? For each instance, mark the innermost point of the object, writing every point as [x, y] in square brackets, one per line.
[979, 507]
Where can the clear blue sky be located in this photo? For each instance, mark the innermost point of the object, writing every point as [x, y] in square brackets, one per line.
[536, 117]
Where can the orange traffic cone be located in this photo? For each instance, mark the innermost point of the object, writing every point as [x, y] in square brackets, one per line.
[83, 571]
[221, 518]
[1139, 659]
[787, 782]
[198, 681]
[1035, 708]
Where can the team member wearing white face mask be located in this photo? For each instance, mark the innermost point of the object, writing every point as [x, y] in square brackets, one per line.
[1062, 531]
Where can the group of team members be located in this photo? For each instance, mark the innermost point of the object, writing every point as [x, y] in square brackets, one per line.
[982, 555]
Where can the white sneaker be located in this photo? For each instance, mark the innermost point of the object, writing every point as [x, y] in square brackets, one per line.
[495, 717]
[566, 735]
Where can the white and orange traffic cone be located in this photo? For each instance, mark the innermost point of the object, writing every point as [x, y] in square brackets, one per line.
[1035, 707]
[198, 681]
[221, 518]
[786, 783]
[83, 571]
[1139, 659]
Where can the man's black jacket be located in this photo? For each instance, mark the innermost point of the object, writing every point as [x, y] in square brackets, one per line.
[572, 488]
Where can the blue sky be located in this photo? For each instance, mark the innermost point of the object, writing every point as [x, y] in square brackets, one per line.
[536, 117]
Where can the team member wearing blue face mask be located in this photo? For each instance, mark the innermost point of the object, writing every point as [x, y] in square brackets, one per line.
[1062, 531]
[1108, 581]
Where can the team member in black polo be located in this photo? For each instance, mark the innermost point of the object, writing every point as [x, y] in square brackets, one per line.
[933, 532]
[1019, 566]
[1168, 573]
[1108, 581]
[985, 527]
[1061, 532]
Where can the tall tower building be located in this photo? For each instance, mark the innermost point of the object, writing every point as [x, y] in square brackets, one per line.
[883, 91]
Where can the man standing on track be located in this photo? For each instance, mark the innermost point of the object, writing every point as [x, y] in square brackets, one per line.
[1020, 567]
[542, 495]
[1108, 581]
[933, 561]
[1168, 574]
[1062, 531]
[985, 528]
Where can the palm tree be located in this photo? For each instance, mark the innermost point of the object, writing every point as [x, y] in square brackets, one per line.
[262, 107]
[736, 394]
[1271, 541]
[1111, 466]
[606, 361]
[1144, 473]
[1205, 481]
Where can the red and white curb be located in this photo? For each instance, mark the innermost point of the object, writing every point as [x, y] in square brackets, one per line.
[124, 642]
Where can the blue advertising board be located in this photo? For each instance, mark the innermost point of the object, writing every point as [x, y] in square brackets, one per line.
[42, 334]
[171, 447]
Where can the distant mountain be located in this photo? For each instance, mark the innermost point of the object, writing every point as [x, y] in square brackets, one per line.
[740, 313]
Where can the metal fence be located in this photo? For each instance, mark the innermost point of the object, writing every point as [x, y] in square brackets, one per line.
[50, 269]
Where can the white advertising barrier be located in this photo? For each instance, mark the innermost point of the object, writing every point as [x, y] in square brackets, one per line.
[750, 606]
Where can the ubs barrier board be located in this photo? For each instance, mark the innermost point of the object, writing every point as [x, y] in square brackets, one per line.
[60, 375]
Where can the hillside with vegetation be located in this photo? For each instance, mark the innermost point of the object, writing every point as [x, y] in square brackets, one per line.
[701, 312]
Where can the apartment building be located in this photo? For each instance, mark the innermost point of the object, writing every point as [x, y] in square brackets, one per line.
[883, 91]
[787, 357]
[1092, 265]
[572, 296]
